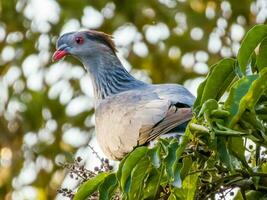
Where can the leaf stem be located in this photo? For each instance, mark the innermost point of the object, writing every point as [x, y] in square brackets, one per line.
[158, 183]
[203, 170]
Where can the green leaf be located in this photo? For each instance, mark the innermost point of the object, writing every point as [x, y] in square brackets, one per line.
[238, 196]
[224, 153]
[184, 141]
[200, 90]
[172, 197]
[224, 131]
[187, 163]
[218, 113]
[152, 183]
[171, 164]
[164, 143]
[107, 187]
[130, 162]
[218, 80]
[253, 62]
[252, 195]
[207, 107]
[239, 152]
[262, 58]
[90, 186]
[189, 188]
[177, 181]
[254, 93]
[264, 167]
[139, 173]
[238, 90]
[154, 155]
[190, 185]
[119, 171]
[170, 159]
[252, 39]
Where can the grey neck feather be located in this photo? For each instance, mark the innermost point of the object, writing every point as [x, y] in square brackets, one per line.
[108, 75]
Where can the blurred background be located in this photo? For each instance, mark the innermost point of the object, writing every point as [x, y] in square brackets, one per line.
[46, 109]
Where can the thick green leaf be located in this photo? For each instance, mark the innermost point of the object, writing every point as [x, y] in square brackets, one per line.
[219, 113]
[90, 186]
[170, 159]
[224, 131]
[238, 90]
[177, 181]
[189, 187]
[187, 163]
[107, 187]
[237, 148]
[210, 89]
[154, 155]
[175, 166]
[139, 173]
[264, 167]
[224, 153]
[218, 80]
[164, 143]
[171, 164]
[184, 141]
[254, 93]
[252, 195]
[238, 196]
[172, 197]
[253, 62]
[252, 39]
[119, 171]
[130, 162]
[152, 184]
[207, 107]
[200, 90]
[262, 57]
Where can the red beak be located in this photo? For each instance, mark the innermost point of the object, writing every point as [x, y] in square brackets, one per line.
[59, 54]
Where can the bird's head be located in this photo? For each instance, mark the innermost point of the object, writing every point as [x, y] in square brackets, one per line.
[84, 44]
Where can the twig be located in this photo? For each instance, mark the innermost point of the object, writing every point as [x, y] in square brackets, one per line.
[104, 162]
[217, 183]
[158, 182]
[204, 170]
[94, 152]
[258, 174]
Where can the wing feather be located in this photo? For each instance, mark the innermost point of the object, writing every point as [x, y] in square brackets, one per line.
[173, 118]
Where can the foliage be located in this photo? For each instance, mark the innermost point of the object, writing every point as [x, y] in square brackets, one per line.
[36, 95]
[223, 147]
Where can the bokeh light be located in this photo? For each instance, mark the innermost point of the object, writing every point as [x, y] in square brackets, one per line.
[47, 109]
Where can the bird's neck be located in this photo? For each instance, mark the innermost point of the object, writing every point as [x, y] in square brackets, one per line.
[109, 77]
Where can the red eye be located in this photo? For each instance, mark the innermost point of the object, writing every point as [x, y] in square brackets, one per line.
[79, 40]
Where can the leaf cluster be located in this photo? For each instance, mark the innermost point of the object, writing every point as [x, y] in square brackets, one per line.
[223, 147]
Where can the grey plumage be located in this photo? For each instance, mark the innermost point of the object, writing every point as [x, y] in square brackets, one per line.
[128, 112]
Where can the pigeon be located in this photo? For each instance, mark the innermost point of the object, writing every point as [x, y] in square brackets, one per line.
[128, 112]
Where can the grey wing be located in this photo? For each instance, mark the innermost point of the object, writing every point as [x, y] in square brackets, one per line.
[134, 118]
[173, 118]
[174, 93]
[178, 112]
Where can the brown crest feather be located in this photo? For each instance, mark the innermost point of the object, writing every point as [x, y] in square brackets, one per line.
[103, 38]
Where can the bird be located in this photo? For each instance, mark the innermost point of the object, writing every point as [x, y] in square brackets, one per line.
[128, 112]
